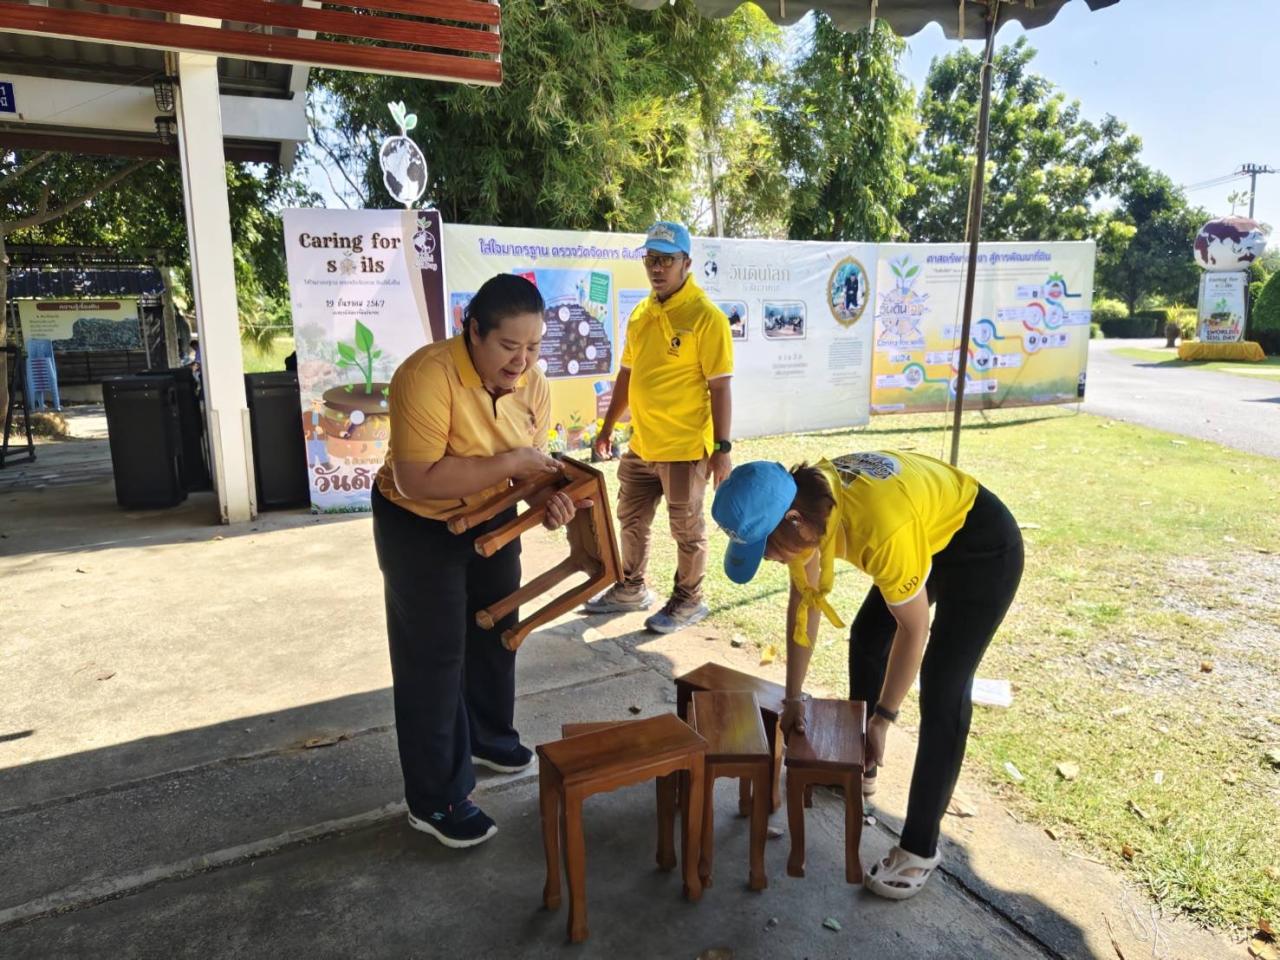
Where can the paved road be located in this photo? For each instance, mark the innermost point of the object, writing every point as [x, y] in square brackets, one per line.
[1234, 410]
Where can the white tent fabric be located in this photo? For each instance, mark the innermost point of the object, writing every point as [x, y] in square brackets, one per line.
[959, 18]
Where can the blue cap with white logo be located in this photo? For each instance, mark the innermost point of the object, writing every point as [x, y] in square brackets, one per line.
[747, 507]
[666, 236]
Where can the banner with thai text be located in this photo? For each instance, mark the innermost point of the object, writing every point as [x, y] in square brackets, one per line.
[1221, 310]
[74, 325]
[1029, 338]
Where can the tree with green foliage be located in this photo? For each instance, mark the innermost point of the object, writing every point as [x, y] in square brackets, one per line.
[1047, 166]
[1264, 323]
[843, 126]
[1145, 246]
[594, 125]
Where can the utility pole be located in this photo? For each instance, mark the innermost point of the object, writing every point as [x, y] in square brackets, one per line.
[1253, 169]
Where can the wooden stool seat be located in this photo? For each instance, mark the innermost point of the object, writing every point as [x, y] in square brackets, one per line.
[769, 696]
[593, 546]
[736, 747]
[613, 756]
[830, 753]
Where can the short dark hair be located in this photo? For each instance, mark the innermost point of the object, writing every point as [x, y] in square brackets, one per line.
[499, 297]
[814, 501]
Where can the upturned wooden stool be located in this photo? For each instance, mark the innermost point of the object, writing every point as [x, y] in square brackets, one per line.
[593, 546]
[573, 769]
[769, 695]
[736, 747]
[829, 753]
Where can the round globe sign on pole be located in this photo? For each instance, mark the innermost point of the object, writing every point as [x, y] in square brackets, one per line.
[404, 168]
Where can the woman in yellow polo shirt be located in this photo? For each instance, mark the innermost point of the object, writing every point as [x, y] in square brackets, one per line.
[925, 533]
[469, 415]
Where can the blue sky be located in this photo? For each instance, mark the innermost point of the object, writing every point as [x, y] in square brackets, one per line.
[1196, 79]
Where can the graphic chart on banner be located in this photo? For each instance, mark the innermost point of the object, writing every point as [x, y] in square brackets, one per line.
[590, 281]
[801, 330]
[1029, 340]
[367, 290]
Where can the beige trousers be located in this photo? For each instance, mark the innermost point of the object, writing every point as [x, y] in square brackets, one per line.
[641, 485]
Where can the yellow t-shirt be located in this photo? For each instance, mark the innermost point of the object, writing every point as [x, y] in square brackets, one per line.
[893, 512]
[440, 407]
[673, 350]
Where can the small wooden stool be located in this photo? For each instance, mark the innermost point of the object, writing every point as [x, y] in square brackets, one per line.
[828, 754]
[713, 676]
[736, 747]
[593, 546]
[619, 755]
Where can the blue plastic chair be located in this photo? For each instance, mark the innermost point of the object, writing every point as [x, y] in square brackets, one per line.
[42, 374]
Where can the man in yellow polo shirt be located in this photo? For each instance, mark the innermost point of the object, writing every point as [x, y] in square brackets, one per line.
[675, 376]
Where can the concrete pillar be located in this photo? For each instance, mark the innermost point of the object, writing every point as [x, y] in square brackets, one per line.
[204, 182]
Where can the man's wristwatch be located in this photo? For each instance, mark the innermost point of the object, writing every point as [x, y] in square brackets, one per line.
[722, 446]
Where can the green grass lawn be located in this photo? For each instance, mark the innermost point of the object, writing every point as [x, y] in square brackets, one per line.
[265, 361]
[1268, 369]
[1143, 645]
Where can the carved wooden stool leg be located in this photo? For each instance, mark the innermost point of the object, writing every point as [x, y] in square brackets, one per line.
[667, 821]
[549, 803]
[744, 797]
[773, 731]
[708, 829]
[853, 827]
[692, 822]
[795, 818]
[759, 828]
[575, 865]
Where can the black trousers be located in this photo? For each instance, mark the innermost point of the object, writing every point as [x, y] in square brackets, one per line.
[973, 581]
[454, 683]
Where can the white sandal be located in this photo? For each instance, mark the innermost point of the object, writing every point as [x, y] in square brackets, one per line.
[889, 877]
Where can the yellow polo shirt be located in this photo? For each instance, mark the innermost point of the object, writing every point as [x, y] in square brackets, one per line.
[440, 407]
[893, 512]
[673, 350]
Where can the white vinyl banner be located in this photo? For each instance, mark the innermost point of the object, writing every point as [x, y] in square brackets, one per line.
[1221, 314]
[799, 314]
[801, 321]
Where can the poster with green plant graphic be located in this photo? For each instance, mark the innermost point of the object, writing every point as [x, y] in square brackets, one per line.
[367, 290]
[1221, 318]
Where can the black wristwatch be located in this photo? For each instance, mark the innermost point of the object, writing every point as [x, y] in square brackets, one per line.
[886, 713]
[722, 446]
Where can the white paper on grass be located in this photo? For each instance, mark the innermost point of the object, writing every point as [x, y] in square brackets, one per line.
[987, 693]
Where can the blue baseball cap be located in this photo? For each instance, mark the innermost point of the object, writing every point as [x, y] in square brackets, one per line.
[747, 507]
[667, 236]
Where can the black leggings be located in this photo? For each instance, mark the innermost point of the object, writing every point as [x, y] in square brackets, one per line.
[973, 581]
[454, 683]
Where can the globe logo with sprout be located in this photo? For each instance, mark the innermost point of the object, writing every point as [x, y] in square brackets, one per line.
[404, 168]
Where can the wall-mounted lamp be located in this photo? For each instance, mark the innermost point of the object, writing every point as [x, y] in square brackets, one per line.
[163, 90]
[167, 130]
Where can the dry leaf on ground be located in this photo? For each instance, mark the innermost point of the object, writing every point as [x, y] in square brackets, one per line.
[716, 953]
[1014, 773]
[1068, 771]
[323, 741]
[768, 654]
[962, 806]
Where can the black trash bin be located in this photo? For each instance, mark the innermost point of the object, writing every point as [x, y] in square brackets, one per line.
[279, 449]
[145, 435]
[195, 452]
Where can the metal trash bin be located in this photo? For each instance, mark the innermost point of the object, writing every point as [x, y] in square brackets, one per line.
[144, 431]
[279, 448]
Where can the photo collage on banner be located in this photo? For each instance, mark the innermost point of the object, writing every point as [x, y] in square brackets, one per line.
[1028, 340]
[82, 325]
[801, 330]
[367, 289]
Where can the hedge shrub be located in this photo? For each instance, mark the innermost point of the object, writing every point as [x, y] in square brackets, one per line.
[1264, 325]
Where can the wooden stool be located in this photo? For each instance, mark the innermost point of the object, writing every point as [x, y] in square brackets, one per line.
[736, 747]
[666, 792]
[593, 546]
[828, 754]
[573, 769]
[712, 676]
